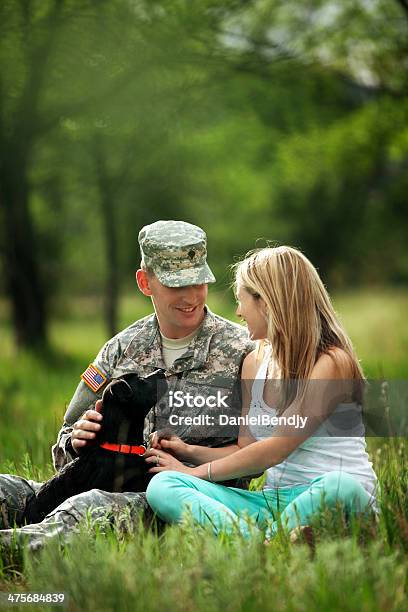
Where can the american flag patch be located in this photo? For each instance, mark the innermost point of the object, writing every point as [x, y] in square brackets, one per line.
[93, 378]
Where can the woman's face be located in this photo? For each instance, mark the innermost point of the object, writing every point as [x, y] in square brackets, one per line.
[253, 311]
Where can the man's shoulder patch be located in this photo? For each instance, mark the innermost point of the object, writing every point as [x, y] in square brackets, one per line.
[93, 378]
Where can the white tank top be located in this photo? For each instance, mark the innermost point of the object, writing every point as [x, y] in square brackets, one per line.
[322, 452]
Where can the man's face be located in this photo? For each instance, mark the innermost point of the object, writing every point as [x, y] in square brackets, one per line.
[180, 310]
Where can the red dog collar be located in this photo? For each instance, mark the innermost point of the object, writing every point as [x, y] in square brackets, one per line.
[124, 448]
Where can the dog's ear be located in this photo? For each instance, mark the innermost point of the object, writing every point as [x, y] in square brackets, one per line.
[119, 391]
[148, 390]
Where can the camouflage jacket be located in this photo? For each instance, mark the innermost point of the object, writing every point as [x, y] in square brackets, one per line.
[210, 365]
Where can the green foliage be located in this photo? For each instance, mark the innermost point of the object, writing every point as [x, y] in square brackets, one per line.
[345, 187]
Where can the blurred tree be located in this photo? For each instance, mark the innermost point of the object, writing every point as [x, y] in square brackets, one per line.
[25, 51]
[60, 59]
[338, 172]
[41, 44]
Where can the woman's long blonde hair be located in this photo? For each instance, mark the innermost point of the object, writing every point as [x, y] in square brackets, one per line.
[301, 321]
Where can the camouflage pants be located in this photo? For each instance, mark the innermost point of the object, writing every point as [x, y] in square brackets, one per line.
[100, 507]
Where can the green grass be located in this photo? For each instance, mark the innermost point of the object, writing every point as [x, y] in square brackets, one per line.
[188, 569]
[358, 567]
[377, 324]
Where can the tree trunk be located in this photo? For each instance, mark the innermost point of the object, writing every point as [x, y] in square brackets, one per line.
[112, 277]
[111, 248]
[21, 265]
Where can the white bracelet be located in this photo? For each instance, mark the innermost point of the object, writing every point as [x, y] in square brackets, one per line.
[209, 472]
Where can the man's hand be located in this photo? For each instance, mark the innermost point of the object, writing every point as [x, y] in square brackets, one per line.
[86, 428]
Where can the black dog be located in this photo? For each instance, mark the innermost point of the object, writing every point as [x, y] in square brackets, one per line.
[114, 462]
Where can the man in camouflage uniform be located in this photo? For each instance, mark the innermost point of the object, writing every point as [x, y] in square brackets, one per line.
[198, 350]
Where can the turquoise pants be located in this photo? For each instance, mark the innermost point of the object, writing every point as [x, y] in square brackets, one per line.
[228, 509]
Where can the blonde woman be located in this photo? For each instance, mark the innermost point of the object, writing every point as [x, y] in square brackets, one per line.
[305, 369]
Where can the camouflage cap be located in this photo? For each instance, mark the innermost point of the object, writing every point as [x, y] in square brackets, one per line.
[176, 252]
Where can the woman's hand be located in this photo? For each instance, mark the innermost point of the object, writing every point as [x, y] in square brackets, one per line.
[172, 445]
[161, 461]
